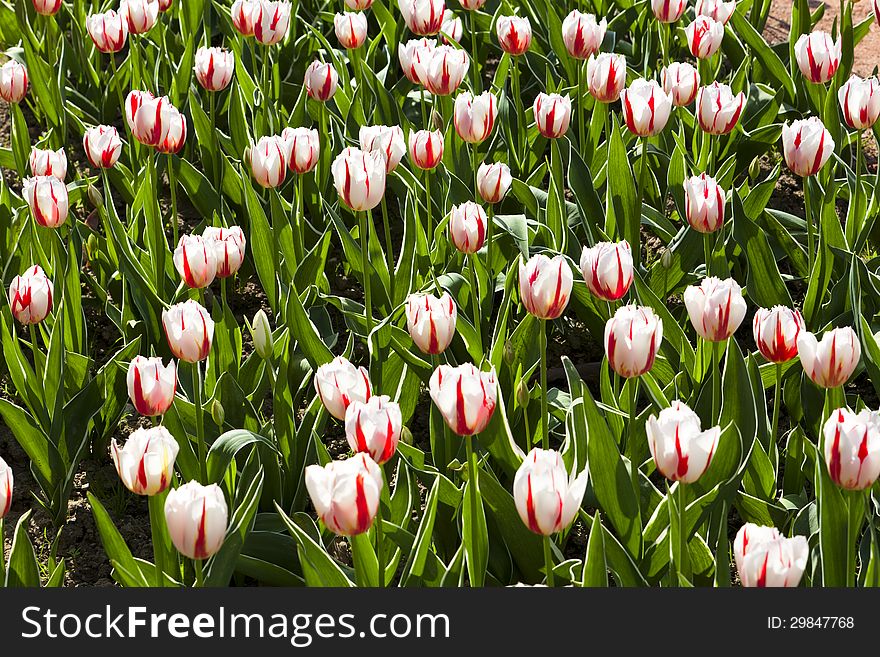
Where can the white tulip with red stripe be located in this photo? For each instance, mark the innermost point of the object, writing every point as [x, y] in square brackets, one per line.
[176, 136]
[6, 487]
[860, 102]
[358, 4]
[243, 16]
[47, 7]
[830, 362]
[607, 268]
[582, 35]
[493, 181]
[632, 339]
[606, 76]
[151, 118]
[30, 296]
[806, 145]
[108, 31]
[141, 15]
[351, 29]
[229, 248]
[465, 397]
[552, 114]
[387, 140]
[475, 116]
[718, 110]
[545, 285]
[718, 10]
[359, 178]
[445, 70]
[776, 333]
[373, 427]
[165, 5]
[716, 308]
[646, 107]
[47, 198]
[703, 203]
[197, 516]
[704, 36]
[302, 150]
[452, 27]
[468, 225]
[415, 57]
[514, 34]
[214, 68]
[146, 463]
[346, 494]
[547, 497]
[852, 448]
[13, 82]
[426, 149]
[668, 11]
[271, 21]
[818, 56]
[321, 81]
[748, 536]
[768, 559]
[431, 321]
[151, 385]
[339, 383]
[681, 81]
[681, 450]
[269, 160]
[48, 163]
[423, 17]
[189, 330]
[102, 146]
[472, 5]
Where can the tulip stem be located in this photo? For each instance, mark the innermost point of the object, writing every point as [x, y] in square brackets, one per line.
[33, 331]
[852, 542]
[875, 551]
[683, 556]
[716, 378]
[545, 419]
[424, 109]
[267, 125]
[472, 481]
[389, 252]
[490, 212]
[475, 296]
[631, 441]
[518, 148]
[217, 155]
[808, 215]
[776, 400]
[200, 578]
[172, 184]
[200, 422]
[116, 84]
[581, 109]
[157, 518]
[474, 61]
[476, 157]
[430, 235]
[2, 553]
[365, 265]
[548, 561]
[707, 252]
[634, 239]
[853, 232]
[298, 221]
[379, 556]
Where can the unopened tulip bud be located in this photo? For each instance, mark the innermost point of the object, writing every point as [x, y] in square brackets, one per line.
[716, 308]
[165, 5]
[681, 81]
[229, 247]
[522, 394]
[196, 516]
[475, 116]
[445, 70]
[96, 199]
[704, 37]
[547, 497]
[351, 29]
[582, 35]
[545, 285]
[387, 140]
[818, 56]
[668, 11]
[102, 146]
[47, 198]
[6, 487]
[269, 161]
[140, 14]
[108, 31]
[426, 149]
[30, 296]
[718, 110]
[472, 5]
[552, 114]
[195, 259]
[48, 163]
[807, 146]
[860, 102]
[718, 10]
[765, 558]
[13, 82]
[271, 21]
[359, 178]
[243, 16]
[339, 383]
[358, 5]
[261, 332]
[646, 107]
[373, 427]
[218, 414]
[494, 181]
[304, 148]
[465, 397]
[681, 450]
[606, 76]
[47, 7]
[189, 330]
[151, 385]
[667, 259]
[509, 353]
[608, 269]
[830, 362]
[415, 57]
[321, 81]
[146, 463]
[452, 27]
[468, 224]
[632, 340]
[431, 321]
[776, 333]
[214, 68]
[852, 448]
[514, 34]
[423, 17]
[346, 494]
[703, 203]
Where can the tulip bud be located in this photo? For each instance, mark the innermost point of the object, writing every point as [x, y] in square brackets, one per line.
[765, 558]
[545, 285]
[472, 5]
[445, 70]
[716, 308]
[452, 28]
[755, 169]
[493, 181]
[852, 448]
[508, 353]
[373, 427]
[860, 101]
[608, 269]
[667, 258]
[30, 296]
[303, 148]
[465, 397]
[6, 486]
[807, 145]
[339, 383]
[704, 36]
[141, 15]
[552, 114]
[718, 10]
[582, 35]
[92, 249]
[431, 321]
[189, 330]
[606, 76]
[646, 107]
[229, 246]
[386, 140]
[514, 34]
[13, 82]
[102, 146]
[243, 16]
[703, 203]
[214, 68]
[165, 5]
[831, 362]
[321, 81]
[351, 29]
[146, 463]
[718, 110]
[47, 198]
[96, 199]
[271, 21]
[668, 11]
[47, 7]
[681, 81]
[547, 498]
[359, 178]
[269, 161]
[415, 57]
[151, 385]
[818, 56]
[467, 227]
[346, 494]
[48, 163]
[108, 31]
[261, 333]
[218, 414]
[681, 450]
[475, 116]
[358, 4]
[426, 149]
[632, 340]
[196, 261]
[522, 394]
[776, 333]
[196, 516]
[423, 17]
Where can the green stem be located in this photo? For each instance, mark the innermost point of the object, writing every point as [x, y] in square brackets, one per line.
[379, 553]
[850, 539]
[218, 155]
[518, 148]
[200, 578]
[476, 165]
[875, 550]
[324, 140]
[223, 293]
[682, 530]
[475, 63]
[490, 212]
[631, 438]
[545, 417]
[581, 107]
[808, 213]
[172, 184]
[475, 297]
[424, 109]
[267, 125]
[200, 421]
[473, 474]
[119, 97]
[707, 252]
[157, 520]
[33, 331]
[634, 239]
[548, 561]
[389, 251]
[298, 222]
[716, 378]
[365, 264]
[858, 214]
[528, 435]
[776, 399]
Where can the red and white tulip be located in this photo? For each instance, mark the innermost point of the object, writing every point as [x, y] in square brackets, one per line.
[358, 5]
[214, 68]
[452, 28]
[465, 397]
[151, 385]
[632, 340]
[818, 56]
[607, 268]
[359, 178]
[48, 163]
[321, 81]
[47, 198]
[271, 21]
[704, 36]
[718, 10]
[514, 34]
[704, 203]
[718, 110]
[229, 248]
[423, 17]
[243, 16]
[493, 181]
[339, 383]
[606, 76]
[681, 81]
[776, 333]
[860, 102]
[141, 15]
[415, 57]
[30, 296]
[269, 161]
[547, 497]
[682, 451]
[830, 362]
[646, 107]
[13, 82]
[445, 70]
[545, 285]
[351, 29]
[431, 321]
[373, 427]
[197, 516]
[807, 146]
[109, 31]
[552, 114]
[716, 308]
[303, 148]
[6, 487]
[47, 7]
[346, 493]
[102, 146]
[766, 559]
[582, 35]
[668, 11]
[468, 225]
[146, 463]
[387, 140]
[475, 116]
[189, 330]
[426, 149]
[195, 259]
[852, 448]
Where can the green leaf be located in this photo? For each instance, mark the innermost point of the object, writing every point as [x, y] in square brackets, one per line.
[475, 534]
[222, 565]
[595, 570]
[318, 567]
[114, 544]
[22, 571]
[765, 285]
[762, 52]
[225, 448]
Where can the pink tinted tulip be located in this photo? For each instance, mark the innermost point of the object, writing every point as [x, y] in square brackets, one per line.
[196, 516]
[860, 102]
[831, 361]
[681, 81]
[271, 21]
[387, 140]
[346, 493]
[133, 103]
[415, 57]
[6, 486]
[109, 31]
[141, 15]
[472, 5]
[176, 137]
[718, 10]
[514, 34]
[632, 339]
[852, 448]
[30, 296]
[606, 76]
[423, 17]
[426, 149]
[465, 397]
[47, 198]
[151, 117]
[151, 385]
[475, 116]
[718, 110]
[807, 145]
[547, 497]
[545, 285]
[189, 330]
[431, 321]
[229, 248]
[358, 4]
[608, 269]
[716, 308]
[303, 148]
[452, 27]
[704, 36]
[582, 35]
[445, 70]
[321, 81]
[646, 107]
[703, 203]
[339, 383]
[165, 5]
[48, 163]
[359, 178]
[776, 333]
[765, 558]
[681, 450]
[146, 463]
[467, 227]
[493, 181]
[196, 261]
[214, 68]
[552, 114]
[818, 56]
[102, 146]
[351, 29]
[243, 16]
[668, 11]
[47, 7]
[269, 161]
[373, 427]
[13, 82]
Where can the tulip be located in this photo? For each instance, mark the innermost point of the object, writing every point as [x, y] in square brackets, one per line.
[472, 5]
[151, 385]
[832, 361]
[608, 269]
[776, 333]
[271, 21]
[646, 107]
[718, 110]
[102, 146]
[339, 383]
[303, 148]
[465, 397]
[718, 10]
[6, 485]
[852, 448]
[748, 536]
[133, 102]
[13, 82]
[30, 296]
[468, 224]
[346, 494]
[545, 285]
[150, 118]
[176, 137]
[165, 5]
[632, 339]
[681, 450]
[359, 178]
[451, 28]
[351, 29]
[195, 259]
[321, 81]
[431, 321]
[552, 114]
[818, 56]
[415, 56]
[243, 16]
[47, 198]
[681, 81]
[388, 141]
[196, 516]
[547, 498]
[146, 463]
[358, 4]
[703, 203]
[668, 11]
[214, 68]
[716, 308]
[445, 70]
[807, 145]
[582, 35]
[49, 163]
[514, 34]
[606, 76]
[765, 558]
[229, 247]
[704, 36]
[109, 31]
[423, 17]
[261, 332]
[475, 116]
[373, 427]
[269, 161]
[141, 15]
[426, 149]
[493, 181]
[189, 330]
[47, 7]
[860, 101]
